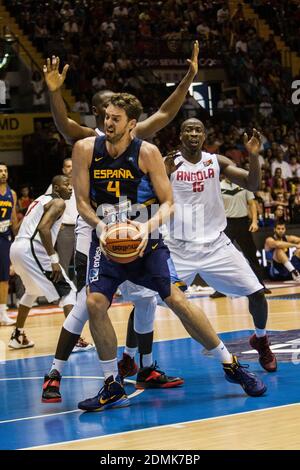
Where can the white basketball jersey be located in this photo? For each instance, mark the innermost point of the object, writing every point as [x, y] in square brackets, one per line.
[199, 210]
[83, 230]
[32, 219]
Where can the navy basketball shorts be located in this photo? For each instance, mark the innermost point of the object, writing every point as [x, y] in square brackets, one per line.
[278, 272]
[4, 258]
[151, 271]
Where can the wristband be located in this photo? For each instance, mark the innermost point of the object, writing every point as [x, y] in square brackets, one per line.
[99, 229]
[54, 258]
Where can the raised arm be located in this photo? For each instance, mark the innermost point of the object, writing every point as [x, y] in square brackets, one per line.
[71, 130]
[246, 179]
[171, 106]
[81, 158]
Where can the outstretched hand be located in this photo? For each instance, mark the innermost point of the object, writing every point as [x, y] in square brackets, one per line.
[53, 78]
[253, 145]
[193, 61]
[170, 164]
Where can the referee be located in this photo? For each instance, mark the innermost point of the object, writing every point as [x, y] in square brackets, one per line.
[238, 202]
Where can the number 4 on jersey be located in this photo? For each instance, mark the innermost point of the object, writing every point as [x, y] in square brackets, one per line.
[114, 187]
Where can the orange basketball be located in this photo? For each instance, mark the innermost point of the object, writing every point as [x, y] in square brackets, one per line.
[119, 244]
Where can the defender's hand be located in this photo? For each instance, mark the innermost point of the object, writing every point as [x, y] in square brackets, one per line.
[169, 162]
[56, 272]
[53, 78]
[253, 145]
[193, 61]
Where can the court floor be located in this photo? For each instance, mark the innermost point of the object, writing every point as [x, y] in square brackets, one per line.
[205, 413]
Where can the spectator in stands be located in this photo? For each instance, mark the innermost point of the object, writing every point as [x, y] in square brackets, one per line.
[24, 199]
[81, 106]
[280, 163]
[39, 90]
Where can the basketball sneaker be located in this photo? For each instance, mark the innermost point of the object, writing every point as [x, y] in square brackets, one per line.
[295, 275]
[238, 374]
[152, 377]
[267, 358]
[82, 346]
[51, 393]
[111, 395]
[127, 366]
[5, 320]
[19, 340]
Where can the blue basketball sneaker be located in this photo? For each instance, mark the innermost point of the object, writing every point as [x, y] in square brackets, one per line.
[238, 374]
[111, 395]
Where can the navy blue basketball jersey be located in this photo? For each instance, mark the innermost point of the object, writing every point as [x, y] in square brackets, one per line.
[6, 207]
[119, 182]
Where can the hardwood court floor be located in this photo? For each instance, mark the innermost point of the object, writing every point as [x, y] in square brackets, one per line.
[275, 425]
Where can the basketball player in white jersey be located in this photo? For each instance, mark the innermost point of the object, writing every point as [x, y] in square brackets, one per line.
[35, 260]
[144, 299]
[196, 237]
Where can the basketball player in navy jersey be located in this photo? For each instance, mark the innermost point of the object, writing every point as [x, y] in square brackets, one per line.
[144, 299]
[8, 227]
[107, 170]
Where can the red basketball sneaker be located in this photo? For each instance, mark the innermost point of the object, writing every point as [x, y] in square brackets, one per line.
[267, 359]
[127, 366]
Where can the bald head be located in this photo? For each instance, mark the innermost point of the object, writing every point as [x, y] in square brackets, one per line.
[192, 122]
[58, 180]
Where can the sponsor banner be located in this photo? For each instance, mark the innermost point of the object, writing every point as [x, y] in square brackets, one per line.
[13, 127]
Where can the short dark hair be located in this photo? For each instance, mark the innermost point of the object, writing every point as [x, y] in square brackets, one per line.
[3, 164]
[279, 222]
[130, 103]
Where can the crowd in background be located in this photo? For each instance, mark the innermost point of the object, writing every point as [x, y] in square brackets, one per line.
[104, 42]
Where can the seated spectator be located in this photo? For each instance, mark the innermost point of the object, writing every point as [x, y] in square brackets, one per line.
[281, 268]
[39, 90]
[81, 106]
[24, 200]
[279, 163]
[278, 186]
[294, 203]
[98, 83]
[295, 167]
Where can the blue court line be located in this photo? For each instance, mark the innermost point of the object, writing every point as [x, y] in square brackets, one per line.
[205, 395]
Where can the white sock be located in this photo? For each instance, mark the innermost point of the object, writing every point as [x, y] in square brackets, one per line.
[147, 360]
[130, 351]
[58, 365]
[288, 265]
[110, 368]
[222, 353]
[260, 332]
[2, 309]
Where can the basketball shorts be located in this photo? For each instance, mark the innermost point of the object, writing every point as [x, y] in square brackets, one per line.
[151, 271]
[219, 263]
[4, 258]
[32, 264]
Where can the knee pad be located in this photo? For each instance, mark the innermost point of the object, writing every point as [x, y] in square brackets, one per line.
[144, 314]
[78, 316]
[27, 300]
